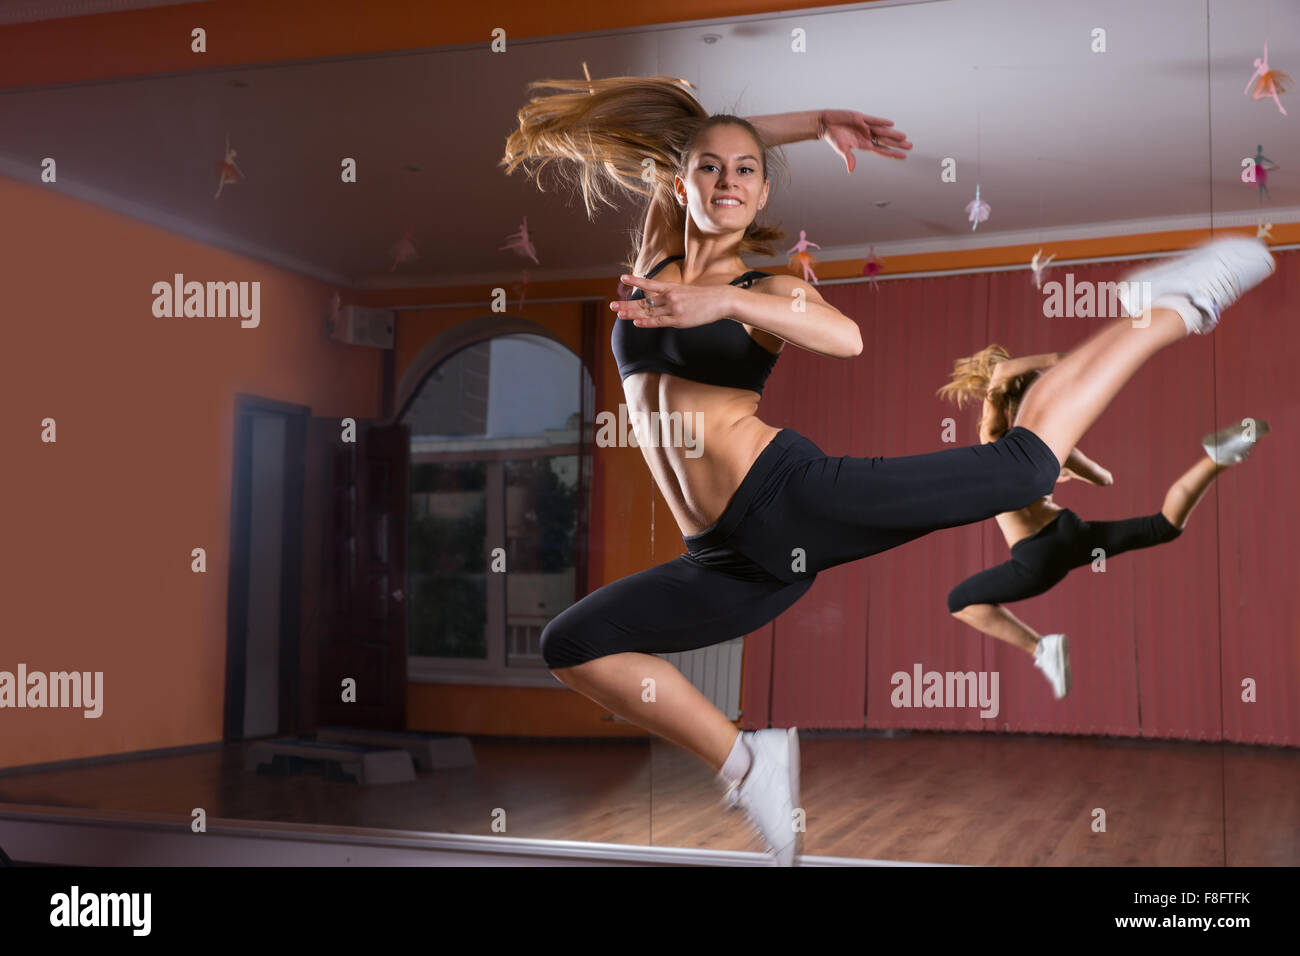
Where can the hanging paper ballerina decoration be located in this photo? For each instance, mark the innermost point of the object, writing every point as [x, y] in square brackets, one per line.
[1261, 168]
[403, 250]
[1267, 83]
[228, 170]
[1039, 267]
[334, 320]
[977, 210]
[521, 287]
[872, 267]
[522, 243]
[798, 253]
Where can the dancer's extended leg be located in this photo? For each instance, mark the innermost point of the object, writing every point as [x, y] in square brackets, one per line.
[1187, 295]
[1184, 494]
[1223, 449]
[1070, 396]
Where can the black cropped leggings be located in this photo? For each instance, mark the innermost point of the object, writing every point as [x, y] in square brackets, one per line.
[1039, 562]
[797, 511]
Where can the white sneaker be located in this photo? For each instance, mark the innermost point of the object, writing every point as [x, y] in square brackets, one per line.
[1212, 276]
[1052, 657]
[1231, 445]
[769, 793]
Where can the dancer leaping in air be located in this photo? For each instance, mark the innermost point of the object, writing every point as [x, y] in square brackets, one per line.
[1047, 541]
[762, 510]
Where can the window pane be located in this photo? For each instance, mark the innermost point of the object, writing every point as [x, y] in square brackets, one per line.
[494, 464]
[541, 536]
[448, 612]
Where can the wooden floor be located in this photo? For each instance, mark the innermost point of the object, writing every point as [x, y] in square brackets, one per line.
[937, 798]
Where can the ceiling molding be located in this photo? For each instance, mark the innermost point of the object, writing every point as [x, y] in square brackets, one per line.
[947, 243]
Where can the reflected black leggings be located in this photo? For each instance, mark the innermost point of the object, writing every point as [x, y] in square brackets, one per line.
[797, 511]
[1039, 562]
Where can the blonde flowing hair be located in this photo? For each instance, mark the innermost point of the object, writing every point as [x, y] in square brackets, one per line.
[597, 135]
[973, 374]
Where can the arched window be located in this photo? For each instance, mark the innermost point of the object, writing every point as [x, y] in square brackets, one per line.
[498, 503]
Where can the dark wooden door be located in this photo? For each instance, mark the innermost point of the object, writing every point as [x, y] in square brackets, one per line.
[363, 636]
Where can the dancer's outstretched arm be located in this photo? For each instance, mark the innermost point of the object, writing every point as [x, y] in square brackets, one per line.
[993, 421]
[1006, 371]
[777, 129]
[843, 130]
[1084, 468]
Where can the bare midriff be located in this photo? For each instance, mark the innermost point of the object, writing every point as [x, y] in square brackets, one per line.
[1018, 525]
[1021, 523]
[725, 434]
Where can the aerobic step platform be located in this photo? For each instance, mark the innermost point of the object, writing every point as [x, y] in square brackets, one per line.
[337, 761]
[429, 751]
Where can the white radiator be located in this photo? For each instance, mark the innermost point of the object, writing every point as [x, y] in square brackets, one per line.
[715, 671]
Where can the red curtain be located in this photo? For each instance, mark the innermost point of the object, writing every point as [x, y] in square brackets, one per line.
[1167, 641]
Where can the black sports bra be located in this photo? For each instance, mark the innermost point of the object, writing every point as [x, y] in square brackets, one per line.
[720, 353]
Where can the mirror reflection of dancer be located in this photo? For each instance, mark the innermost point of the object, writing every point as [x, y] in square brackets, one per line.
[1047, 541]
[762, 510]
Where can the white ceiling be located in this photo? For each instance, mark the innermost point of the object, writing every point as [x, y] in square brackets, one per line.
[1065, 143]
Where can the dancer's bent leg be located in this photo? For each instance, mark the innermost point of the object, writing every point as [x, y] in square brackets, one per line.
[603, 645]
[996, 621]
[680, 712]
[1034, 569]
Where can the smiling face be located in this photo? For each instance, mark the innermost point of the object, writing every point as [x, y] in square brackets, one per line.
[723, 185]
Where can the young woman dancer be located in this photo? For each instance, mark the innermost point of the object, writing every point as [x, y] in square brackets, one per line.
[762, 510]
[1048, 541]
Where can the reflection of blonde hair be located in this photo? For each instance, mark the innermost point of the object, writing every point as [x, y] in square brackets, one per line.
[971, 375]
[598, 133]
[971, 378]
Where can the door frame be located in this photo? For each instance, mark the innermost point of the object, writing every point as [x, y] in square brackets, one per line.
[290, 683]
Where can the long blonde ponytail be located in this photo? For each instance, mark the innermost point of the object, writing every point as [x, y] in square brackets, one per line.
[972, 374]
[597, 136]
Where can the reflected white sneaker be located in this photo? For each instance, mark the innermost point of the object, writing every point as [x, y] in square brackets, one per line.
[1211, 276]
[1052, 657]
[770, 791]
[1231, 445]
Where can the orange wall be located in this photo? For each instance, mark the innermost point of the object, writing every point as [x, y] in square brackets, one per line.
[100, 525]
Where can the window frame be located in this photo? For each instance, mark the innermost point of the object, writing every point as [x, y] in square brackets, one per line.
[493, 670]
